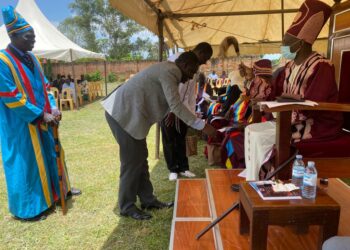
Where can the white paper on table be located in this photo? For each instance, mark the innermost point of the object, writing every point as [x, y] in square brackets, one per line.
[243, 174]
[273, 104]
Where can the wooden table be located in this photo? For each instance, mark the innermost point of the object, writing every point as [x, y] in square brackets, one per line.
[257, 214]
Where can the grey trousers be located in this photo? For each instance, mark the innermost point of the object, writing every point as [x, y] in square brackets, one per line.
[134, 175]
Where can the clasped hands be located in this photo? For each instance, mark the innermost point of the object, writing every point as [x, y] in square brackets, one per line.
[52, 118]
[208, 129]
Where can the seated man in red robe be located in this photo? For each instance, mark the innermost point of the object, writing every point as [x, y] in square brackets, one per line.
[309, 75]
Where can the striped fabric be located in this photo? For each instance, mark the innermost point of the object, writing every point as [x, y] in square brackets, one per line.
[240, 108]
[301, 79]
[214, 109]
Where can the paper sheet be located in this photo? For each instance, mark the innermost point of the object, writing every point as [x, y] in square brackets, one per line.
[273, 104]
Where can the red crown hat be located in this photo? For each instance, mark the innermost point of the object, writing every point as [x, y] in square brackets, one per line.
[262, 67]
[309, 21]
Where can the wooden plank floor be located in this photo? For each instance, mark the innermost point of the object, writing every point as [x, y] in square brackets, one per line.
[192, 198]
[278, 237]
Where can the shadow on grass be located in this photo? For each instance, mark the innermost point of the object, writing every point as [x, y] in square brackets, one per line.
[151, 234]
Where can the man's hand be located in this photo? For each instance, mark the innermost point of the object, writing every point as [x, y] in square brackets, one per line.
[209, 130]
[57, 114]
[49, 118]
[199, 114]
[169, 120]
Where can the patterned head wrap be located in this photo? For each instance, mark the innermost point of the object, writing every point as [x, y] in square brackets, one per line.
[309, 21]
[262, 67]
[14, 22]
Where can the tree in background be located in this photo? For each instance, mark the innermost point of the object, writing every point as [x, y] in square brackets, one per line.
[98, 27]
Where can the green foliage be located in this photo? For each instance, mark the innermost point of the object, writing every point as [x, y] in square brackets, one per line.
[94, 76]
[73, 31]
[47, 69]
[112, 77]
[98, 27]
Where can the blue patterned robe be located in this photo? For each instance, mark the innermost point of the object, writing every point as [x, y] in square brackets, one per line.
[27, 145]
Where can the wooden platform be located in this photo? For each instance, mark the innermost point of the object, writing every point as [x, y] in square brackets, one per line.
[199, 201]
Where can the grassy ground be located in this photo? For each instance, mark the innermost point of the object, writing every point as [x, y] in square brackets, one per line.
[93, 220]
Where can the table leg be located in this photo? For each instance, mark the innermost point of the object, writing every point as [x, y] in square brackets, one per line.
[258, 231]
[329, 228]
[243, 220]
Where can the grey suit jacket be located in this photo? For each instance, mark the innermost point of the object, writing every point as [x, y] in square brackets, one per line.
[146, 98]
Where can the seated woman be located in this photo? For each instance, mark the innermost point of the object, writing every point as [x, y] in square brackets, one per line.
[239, 114]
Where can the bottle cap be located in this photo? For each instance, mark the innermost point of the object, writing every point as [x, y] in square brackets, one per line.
[310, 163]
[299, 157]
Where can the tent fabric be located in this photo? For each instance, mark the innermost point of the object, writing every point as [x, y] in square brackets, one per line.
[50, 43]
[250, 30]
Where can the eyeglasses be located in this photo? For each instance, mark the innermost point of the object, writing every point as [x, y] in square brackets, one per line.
[28, 37]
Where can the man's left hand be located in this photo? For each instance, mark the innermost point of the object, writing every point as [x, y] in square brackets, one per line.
[57, 114]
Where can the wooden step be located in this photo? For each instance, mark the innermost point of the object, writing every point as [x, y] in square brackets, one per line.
[222, 197]
[192, 199]
[184, 233]
[191, 214]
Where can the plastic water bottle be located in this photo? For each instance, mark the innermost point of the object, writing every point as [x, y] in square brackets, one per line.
[298, 171]
[309, 181]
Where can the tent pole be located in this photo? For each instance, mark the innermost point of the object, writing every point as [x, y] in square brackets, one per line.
[160, 58]
[172, 15]
[73, 73]
[282, 17]
[105, 67]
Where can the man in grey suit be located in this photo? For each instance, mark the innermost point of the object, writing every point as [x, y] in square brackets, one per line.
[131, 110]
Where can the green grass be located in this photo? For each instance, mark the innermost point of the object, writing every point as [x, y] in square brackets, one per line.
[93, 220]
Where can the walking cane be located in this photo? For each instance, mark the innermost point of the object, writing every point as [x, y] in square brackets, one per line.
[236, 204]
[59, 168]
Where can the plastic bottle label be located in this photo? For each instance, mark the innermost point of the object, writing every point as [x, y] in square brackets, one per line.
[310, 180]
[298, 172]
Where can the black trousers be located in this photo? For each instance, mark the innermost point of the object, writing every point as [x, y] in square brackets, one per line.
[134, 175]
[174, 147]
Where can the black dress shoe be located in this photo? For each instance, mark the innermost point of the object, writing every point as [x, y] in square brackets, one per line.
[137, 214]
[157, 205]
[74, 192]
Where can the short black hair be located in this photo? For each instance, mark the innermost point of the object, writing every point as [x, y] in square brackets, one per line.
[188, 58]
[204, 47]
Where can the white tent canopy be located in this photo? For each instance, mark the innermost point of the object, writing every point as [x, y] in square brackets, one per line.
[50, 43]
[186, 23]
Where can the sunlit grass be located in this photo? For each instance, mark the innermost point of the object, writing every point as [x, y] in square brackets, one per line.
[93, 221]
